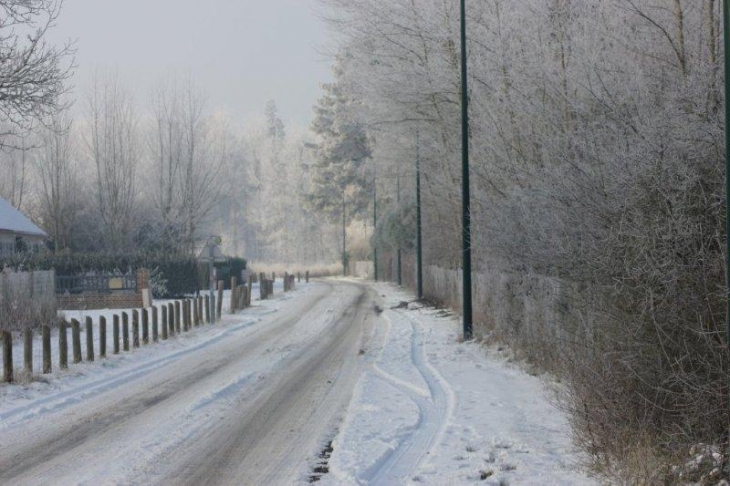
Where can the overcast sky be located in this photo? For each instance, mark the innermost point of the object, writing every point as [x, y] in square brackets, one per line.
[241, 52]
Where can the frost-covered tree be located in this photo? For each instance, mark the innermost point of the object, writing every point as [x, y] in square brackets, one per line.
[33, 72]
[340, 186]
[597, 154]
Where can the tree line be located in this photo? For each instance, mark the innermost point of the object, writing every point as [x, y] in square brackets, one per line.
[597, 160]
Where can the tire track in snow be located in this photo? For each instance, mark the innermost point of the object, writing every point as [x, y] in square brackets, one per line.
[435, 409]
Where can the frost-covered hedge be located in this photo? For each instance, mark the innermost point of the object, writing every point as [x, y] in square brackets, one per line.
[173, 275]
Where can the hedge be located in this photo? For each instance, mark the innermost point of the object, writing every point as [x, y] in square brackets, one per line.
[173, 275]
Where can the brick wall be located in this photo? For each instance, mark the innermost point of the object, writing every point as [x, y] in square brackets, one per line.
[89, 301]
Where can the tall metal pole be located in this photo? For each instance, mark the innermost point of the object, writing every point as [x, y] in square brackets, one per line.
[726, 32]
[375, 221]
[419, 238]
[344, 239]
[465, 198]
[211, 277]
[400, 274]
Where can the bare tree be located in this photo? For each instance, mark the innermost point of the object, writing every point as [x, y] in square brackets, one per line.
[32, 72]
[112, 141]
[59, 188]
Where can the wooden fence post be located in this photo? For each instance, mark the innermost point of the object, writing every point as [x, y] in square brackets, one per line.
[76, 340]
[219, 304]
[186, 315]
[155, 329]
[299, 277]
[47, 364]
[28, 352]
[201, 316]
[178, 318]
[234, 283]
[102, 337]
[163, 322]
[7, 356]
[307, 277]
[196, 311]
[171, 319]
[145, 326]
[89, 339]
[115, 332]
[62, 345]
[125, 331]
[206, 303]
[249, 284]
[135, 328]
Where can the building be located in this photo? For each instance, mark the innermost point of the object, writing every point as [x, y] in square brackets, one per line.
[17, 232]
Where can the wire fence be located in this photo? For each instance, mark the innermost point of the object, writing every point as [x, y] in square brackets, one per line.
[27, 299]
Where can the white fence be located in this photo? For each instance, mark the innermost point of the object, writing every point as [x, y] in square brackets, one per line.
[26, 299]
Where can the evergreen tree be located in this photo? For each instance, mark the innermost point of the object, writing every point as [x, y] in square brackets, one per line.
[340, 188]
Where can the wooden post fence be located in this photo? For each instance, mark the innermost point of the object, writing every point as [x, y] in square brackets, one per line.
[115, 332]
[164, 324]
[76, 340]
[135, 328]
[145, 326]
[125, 331]
[7, 356]
[28, 352]
[46, 337]
[155, 328]
[102, 337]
[178, 318]
[219, 304]
[62, 345]
[207, 309]
[89, 339]
[234, 283]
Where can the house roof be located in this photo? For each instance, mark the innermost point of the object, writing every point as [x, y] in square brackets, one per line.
[14, 221]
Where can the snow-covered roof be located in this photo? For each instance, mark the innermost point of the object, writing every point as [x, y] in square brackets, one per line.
[14, 221]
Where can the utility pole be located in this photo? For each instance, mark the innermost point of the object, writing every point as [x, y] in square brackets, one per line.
[397, 182]
[465, 197]
[419, 238]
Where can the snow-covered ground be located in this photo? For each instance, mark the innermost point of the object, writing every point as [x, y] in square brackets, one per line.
[26, 399]
[431, 410]
[255, 398]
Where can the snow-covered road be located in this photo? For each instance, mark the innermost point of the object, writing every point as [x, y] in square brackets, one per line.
[253, 404]
[257, 399]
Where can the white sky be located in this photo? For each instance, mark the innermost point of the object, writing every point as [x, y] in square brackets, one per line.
[241, 52]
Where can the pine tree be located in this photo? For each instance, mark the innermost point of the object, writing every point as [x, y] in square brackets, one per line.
[340, 189]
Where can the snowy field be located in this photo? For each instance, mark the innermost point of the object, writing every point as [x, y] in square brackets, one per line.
[431, 410]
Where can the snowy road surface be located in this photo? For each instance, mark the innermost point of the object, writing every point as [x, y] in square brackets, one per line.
[252, 408]
[256, 398]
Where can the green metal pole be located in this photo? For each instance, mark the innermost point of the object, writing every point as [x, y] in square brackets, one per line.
[344, 240]
[726, 32]
[400, 273]
[465, 197]
[419, 238]
[375, 222]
